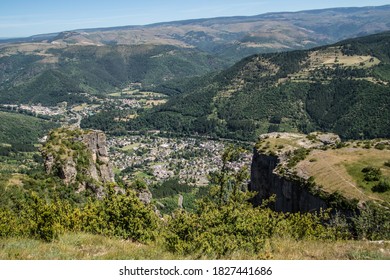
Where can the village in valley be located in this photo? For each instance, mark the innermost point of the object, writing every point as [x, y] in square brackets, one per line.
[151, 156]
[129, 101]
[155, 159]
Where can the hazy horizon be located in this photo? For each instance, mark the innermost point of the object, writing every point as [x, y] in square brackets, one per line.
[22, 18]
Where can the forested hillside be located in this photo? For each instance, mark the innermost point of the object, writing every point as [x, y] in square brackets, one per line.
[341, 88]
[52, 74]
[20, 132]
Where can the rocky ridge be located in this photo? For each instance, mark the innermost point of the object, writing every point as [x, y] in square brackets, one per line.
[79, 158]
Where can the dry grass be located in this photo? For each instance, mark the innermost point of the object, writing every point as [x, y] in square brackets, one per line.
[333, 56]
[132, 116]
[156, 102]
[16, 180]
[130, 147]
[277, 142]
[81, 107]
[329, 168]
[83, 246]
[283, 142]
[79, 246]
[115, 94]
[29, 48]
[287, 249]
[152, 94]
[336, 170]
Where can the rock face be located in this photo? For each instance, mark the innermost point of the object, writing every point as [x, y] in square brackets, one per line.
[328, 138]
[145, 196]
[68, 172]
[180, 201]
[100, 168]
[78, 157]
[291, 195]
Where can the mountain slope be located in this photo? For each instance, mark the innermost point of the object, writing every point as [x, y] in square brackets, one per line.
[20, 132]
[55, 74]
[343, 88]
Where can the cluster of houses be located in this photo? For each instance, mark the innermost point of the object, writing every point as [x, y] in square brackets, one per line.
[158, 158]
[37, 109]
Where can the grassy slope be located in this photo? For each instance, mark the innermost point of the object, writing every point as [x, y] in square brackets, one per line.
[340, 170]
[91, 247]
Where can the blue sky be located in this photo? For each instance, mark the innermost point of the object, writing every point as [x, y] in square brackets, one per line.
[20, 18]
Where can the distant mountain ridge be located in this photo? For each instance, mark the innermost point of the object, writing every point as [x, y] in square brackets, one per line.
[236, 37]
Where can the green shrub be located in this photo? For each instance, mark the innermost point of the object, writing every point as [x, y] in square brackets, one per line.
[311, 137]
[305, 226]
[121, 215]
[46, 227]
[297, 156]
[220, 231]
[371, 173]
[373, 223]
[380, 146]
[367, 145]
[9, 224]
[382, 186]
[340, 145]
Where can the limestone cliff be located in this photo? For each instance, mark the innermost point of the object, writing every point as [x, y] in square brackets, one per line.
[273, 173]
[78, 157]
[291, 193]
[100, 168]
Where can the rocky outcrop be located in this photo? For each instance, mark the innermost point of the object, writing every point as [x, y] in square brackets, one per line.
[100, 168]
[145, 196]
[78, 157]
[273, 172]
[291, 194]
[64, 169]
[68, 171]
[180, 201]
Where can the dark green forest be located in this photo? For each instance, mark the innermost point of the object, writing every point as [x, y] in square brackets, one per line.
[19, 133]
